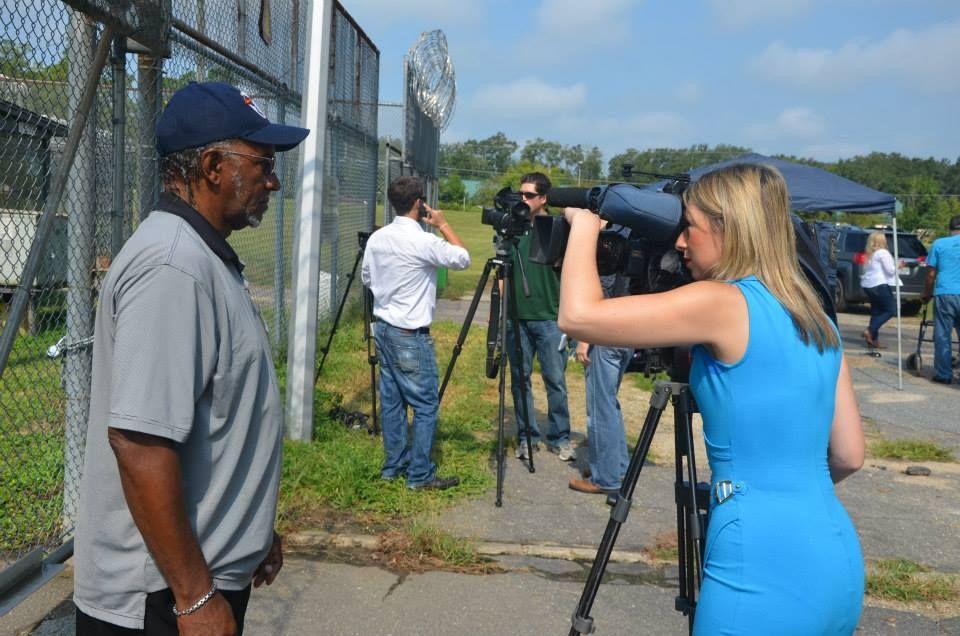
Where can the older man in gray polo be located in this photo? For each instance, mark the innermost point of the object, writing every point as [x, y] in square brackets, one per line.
[178, 498]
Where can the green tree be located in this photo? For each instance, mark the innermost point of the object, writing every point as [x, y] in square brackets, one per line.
[16, 59]
[452, 190]
[592, 167]
[670, 160]
[479, 158]
[543, 152]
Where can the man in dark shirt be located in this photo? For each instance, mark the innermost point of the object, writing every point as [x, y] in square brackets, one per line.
[538, 333]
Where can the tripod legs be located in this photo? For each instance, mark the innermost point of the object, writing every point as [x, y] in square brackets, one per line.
[371, 355]
[688, 521]
[336, 321]
[367, 335]
[500, 302]
[467, 321]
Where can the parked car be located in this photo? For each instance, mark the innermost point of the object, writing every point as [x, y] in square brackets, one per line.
[851, 259]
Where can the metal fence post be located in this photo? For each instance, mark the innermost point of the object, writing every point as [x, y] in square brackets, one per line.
[306, 257]
[149, 73]
[279, 271]
[81, 198]
[119, 78]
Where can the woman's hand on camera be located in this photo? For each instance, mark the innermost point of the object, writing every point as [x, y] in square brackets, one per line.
[571, 213]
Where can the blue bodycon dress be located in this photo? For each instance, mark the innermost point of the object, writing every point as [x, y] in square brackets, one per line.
[782, 556]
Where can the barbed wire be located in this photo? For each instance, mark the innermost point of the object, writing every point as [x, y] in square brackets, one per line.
[434, 79]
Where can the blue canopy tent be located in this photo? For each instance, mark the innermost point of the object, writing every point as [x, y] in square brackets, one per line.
[816, 190]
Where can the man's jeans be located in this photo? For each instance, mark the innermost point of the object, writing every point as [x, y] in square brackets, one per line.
[607, 455]
[947, 319]
[883, 307]
[541, 336]
[408, 377]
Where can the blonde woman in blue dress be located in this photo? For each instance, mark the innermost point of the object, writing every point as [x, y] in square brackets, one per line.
[781, 422]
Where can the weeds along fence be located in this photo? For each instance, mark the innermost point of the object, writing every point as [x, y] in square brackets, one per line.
[72, 192]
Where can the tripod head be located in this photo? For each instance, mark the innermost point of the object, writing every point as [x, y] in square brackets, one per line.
[363, 237]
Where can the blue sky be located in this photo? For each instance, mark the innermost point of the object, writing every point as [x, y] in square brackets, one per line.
[813, 78]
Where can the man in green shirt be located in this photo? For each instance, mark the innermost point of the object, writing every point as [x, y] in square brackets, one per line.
[537, 330]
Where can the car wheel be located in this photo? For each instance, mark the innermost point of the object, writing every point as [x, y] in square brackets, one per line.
[840, 297]
[911, 308]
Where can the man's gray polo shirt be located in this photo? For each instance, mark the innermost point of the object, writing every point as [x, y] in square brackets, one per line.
[180, 352]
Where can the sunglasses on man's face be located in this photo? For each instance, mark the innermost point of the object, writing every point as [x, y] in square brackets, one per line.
[267, 164]
[528, 195]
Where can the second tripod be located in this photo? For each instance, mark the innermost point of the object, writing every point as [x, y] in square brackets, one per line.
[692, 500]
[367, 332]
[500, 304]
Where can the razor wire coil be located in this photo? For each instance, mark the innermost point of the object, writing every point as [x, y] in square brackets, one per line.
[433, 78]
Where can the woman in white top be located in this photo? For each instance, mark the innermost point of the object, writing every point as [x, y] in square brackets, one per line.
[879, 275]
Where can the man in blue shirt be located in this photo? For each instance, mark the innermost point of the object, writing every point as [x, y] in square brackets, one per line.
[943, 281]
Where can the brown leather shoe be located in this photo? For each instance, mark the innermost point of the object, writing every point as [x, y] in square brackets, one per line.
[587, 486]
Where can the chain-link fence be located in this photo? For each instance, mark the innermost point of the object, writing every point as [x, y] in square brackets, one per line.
[47, 51]
[391, 118]
[351, 157]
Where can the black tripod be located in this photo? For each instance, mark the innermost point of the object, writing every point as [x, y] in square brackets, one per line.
[692, 501]
[367, 335]
[500, 303]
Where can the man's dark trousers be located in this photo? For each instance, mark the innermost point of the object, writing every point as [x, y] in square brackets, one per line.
[158, 619]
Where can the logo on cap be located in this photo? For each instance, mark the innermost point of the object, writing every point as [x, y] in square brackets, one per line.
[249, 102]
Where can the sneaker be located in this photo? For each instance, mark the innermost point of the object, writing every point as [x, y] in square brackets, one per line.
[437, 483]
[523, 451]
[564, 451]
[942, 380]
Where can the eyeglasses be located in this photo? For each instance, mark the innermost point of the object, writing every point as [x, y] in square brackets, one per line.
[266, 163]
[529, 195]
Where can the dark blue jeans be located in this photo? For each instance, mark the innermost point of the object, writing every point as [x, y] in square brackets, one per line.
[883, 307]
[947, 321]
[408, 378]
[542, 337]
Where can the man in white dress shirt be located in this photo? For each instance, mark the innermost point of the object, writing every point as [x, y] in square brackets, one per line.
[400, 264]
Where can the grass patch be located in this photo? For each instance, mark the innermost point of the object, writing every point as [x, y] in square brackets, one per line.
[911, 450]
[478, 239]
[646, 383]
[905, 581]
[419, 546]
[665, 547]
[31, 446]
[340, 468]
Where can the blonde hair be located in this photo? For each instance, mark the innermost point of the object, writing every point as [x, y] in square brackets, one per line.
[876, 241]
[749, 207]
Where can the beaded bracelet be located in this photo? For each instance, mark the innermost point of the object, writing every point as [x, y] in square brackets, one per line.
[193, 608]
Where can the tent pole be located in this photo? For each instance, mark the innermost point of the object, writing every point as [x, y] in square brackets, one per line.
[896, 261]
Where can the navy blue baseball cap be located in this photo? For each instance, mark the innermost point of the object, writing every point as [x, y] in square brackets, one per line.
[202, 113]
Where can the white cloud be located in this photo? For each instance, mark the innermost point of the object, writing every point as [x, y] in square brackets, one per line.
[792, 123]
[738, 14]
[529, 96]
[578, 24]
[924, 59]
